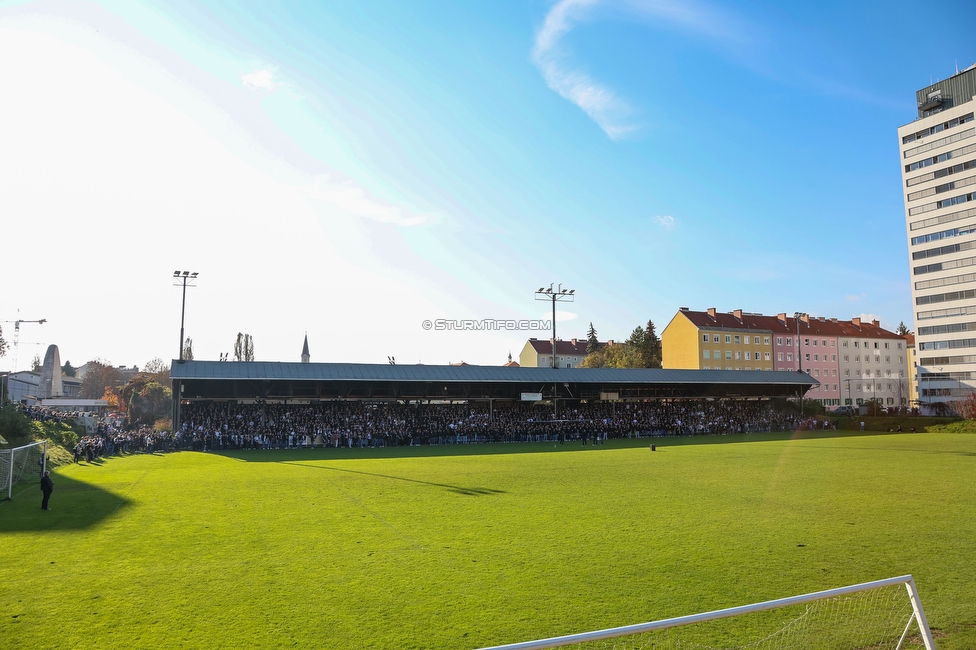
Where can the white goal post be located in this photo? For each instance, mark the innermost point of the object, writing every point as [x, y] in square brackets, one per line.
[22, 463]
[895, 639]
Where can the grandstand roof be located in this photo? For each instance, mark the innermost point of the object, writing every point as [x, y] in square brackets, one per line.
[366, 372]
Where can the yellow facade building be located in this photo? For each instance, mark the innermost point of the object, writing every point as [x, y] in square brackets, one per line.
[709, 340]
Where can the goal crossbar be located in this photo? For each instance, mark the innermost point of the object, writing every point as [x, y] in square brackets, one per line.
[638, 628]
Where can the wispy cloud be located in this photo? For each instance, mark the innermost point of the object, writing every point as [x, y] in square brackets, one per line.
[853, 297]
[260, 81]
[602, 105]
[665, 221]
[357, 201]
[612, 113]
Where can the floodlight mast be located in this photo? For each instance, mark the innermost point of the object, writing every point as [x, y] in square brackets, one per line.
[555, 295]
[184, 276]
[797, 316]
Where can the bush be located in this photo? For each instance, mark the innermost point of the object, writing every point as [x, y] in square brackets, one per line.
[59, 433]
[14, 426]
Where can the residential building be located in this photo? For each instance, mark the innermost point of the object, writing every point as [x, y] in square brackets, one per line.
[538, 354]
[938, 163]
[853, 361]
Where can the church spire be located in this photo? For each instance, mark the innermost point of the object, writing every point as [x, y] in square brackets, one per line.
[306, 357]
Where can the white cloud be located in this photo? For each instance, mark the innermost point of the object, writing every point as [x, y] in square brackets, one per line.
[600, 103]
[665, 221]
[260, 80]
[851, 297]
[612, 113]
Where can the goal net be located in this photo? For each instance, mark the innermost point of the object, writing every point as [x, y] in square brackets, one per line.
[22, 465]
[879, 615]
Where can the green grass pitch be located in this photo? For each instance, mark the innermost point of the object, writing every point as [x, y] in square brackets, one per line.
[461, 547]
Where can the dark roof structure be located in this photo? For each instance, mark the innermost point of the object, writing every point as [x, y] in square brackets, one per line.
[331, 381]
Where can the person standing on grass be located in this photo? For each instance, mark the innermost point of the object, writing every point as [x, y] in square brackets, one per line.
[47, 487]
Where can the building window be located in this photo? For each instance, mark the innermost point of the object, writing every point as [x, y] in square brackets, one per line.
[738, 355]
[755, 340]
[845, 344]
[767, 356]
[779, 340]
[728, 355]
[738, 339]
[766, 340]
[789, 356]
[716, 354]
[779, 356]
[705, 338]
[816, 357]
[789, 341]
[715, 340]
[748, 356]
[706, 354]
[814, 342]
[728, 338]
[833, 357]
[806, 342]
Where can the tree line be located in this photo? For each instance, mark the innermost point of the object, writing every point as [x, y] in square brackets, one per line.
[642, 349]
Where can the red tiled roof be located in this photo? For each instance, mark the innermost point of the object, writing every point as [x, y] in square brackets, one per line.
[566, 348]
[787, 325]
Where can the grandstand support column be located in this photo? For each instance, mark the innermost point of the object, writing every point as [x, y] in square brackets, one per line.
[177, 394]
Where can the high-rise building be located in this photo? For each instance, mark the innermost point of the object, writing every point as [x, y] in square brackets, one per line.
[938, 162]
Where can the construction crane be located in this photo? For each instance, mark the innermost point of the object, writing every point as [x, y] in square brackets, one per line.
[16, 341]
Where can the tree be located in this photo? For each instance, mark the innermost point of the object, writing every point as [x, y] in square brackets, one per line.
[15, 428]
[36, 364]
[967, 407]
[244, 348]
[188, 349]
[901, 330]
[68, 370]
[100, 376]
[3, 343]
[592, 343]
[146, 399]
[645, 347]
[652, 346]
[158, 370]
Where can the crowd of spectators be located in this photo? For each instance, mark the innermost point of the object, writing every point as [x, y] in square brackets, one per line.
[226, 425]
[360, 424]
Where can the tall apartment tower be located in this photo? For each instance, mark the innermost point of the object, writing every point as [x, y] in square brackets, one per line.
[938, 161]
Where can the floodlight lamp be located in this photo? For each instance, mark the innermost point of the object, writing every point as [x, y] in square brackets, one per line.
[176, 274]
[541, 289]
[572, 291]
[194, 275]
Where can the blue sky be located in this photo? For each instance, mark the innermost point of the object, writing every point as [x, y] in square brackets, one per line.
[351, 169]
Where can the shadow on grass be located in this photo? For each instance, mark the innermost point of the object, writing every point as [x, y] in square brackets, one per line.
[74, 505]
[457, 489]
[497, 448]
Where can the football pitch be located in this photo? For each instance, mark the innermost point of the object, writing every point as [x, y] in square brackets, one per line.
[469, 546]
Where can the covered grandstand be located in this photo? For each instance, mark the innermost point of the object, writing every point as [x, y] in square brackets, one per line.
[310, 383]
